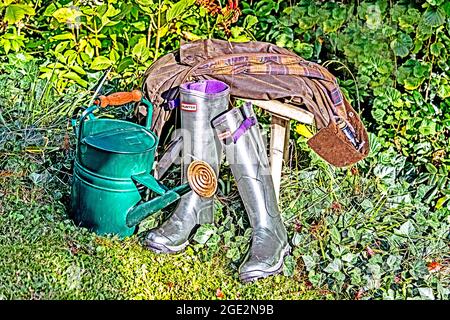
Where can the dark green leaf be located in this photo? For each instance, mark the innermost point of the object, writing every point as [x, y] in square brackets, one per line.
[305, 50]
[434, 17]
[436, 48]
[289, 266]
[401, 45]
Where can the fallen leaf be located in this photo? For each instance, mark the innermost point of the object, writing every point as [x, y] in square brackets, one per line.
[219, 294]
[434, 266]
[359, 294]
[74, 249]
[308, 284]
[298, 226]
[354, 171]
[370, 252]
[336, 206]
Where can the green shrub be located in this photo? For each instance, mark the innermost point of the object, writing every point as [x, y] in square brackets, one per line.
[391, 59]
[79, 39]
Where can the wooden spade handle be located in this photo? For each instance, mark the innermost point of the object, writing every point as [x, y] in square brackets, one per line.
[119, 98]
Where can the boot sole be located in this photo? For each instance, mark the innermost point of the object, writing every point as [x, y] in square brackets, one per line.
[161, 248]
[260, 274]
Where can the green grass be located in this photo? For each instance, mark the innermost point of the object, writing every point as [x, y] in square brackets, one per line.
[44, 256]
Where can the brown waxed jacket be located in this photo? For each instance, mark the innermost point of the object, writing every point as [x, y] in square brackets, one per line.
[261, 71]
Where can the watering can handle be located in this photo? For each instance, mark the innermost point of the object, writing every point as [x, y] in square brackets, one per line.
[119, 98]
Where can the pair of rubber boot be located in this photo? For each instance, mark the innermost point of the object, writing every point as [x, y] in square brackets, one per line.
[209, 129]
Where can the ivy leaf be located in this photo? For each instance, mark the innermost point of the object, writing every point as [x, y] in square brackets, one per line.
[434, 17]
[335, 234]
[412, 83]
[373, 16]
[374, 270]
[289, 266]
[204, 232]
[349, 257]
[16, 12]
[283, 39]
[378, 114]
[385, 173]
[233, 254]
[237, 36]
[101, 63]
[426, 293]
[402, 45]
[339, 13]
[444, 91]
[334, 266]
[355, 276]
[309, 262]
[422, 69]
[427, 127]
[406, 228]
[213, 240]
[394, 261]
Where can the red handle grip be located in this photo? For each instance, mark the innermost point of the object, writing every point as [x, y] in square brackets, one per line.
[119, 98]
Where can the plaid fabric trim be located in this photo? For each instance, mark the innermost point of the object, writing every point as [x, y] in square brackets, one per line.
[277, 65]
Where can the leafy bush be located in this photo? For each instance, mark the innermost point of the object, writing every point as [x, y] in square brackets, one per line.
[391, 57]
[80, 39]
[365, 237]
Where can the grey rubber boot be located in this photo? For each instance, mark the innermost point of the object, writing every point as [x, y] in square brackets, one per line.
[247, 155]
[200, 102]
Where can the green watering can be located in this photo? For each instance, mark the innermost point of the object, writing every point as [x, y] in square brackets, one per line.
[112, 168]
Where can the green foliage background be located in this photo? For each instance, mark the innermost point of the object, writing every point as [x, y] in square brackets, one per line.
[377, 230]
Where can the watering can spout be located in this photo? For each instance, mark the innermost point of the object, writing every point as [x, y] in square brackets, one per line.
[201, 180]
[144, 210]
